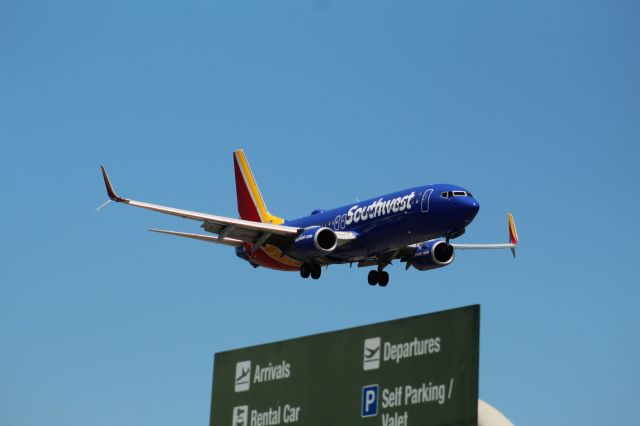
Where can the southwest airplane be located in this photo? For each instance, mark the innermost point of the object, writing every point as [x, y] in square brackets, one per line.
[414, 225]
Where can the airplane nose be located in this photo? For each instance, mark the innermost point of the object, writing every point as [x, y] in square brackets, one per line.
[471, 207]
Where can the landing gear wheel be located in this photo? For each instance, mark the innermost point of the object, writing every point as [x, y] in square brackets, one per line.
[372, 278]
[315, 271]
[383, 278]
[305, 270]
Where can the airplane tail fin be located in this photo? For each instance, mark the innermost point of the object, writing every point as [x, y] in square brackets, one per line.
[251, 206]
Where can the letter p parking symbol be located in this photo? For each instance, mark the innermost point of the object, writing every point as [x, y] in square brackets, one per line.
[369, 400]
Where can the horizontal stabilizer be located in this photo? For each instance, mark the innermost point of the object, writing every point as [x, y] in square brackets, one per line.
[207, 238]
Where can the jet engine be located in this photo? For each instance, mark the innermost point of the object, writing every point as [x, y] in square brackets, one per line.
[315, 241]
[431, 255]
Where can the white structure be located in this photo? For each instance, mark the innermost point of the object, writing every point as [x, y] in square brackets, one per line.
[489, 416]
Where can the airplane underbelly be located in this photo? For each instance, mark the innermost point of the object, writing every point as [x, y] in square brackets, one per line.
[387, 236]
[271, 257]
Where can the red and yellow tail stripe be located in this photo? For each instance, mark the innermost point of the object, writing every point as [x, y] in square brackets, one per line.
[251, 206]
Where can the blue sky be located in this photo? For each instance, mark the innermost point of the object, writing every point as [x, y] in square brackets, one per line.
[534, 107]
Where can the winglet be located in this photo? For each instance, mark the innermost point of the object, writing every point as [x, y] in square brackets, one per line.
[513, 234]
[112, 194]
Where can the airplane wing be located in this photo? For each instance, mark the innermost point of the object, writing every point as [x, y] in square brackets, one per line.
[513, 238]
[230, 231]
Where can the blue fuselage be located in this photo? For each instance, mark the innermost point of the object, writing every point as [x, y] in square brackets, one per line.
[397, 219]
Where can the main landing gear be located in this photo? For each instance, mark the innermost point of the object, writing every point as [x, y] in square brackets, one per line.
[309, 269]
[378, 277]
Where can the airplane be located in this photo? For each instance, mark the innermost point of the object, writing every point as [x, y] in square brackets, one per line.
[371, 352]
[243, 374]
[240, 420]
[414, 226]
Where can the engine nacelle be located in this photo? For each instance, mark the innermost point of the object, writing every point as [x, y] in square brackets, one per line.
[315, 241]
[431, 255]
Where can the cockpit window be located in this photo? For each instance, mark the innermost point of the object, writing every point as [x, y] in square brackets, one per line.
[450, 194]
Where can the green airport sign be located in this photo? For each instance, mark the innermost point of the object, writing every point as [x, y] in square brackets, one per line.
[415, 371]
